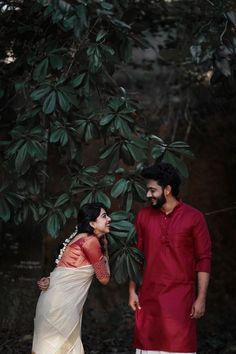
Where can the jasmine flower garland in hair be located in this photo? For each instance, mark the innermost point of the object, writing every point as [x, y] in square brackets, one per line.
[65, 244]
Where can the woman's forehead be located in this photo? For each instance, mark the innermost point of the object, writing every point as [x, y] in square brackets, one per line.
[102, 211]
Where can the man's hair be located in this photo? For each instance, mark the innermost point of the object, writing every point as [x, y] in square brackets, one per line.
[165, 174]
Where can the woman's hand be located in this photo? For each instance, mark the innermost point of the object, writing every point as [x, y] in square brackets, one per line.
[43, 283]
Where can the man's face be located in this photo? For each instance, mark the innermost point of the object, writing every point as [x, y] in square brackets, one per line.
[155, 193]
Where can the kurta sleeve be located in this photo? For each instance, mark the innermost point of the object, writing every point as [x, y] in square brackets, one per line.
[93, 253]
[202, 244]
[139, 232]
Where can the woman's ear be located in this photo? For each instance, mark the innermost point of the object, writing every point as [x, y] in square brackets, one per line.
[92, 224]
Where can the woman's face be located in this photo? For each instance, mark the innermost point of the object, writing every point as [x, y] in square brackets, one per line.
[101, 225]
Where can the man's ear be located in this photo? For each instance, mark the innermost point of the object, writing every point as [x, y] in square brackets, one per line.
[168, 190]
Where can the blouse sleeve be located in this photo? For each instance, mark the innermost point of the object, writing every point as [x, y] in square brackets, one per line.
[93, 253]
[202, 245]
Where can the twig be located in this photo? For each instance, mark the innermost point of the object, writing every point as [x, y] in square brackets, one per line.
[210, 2]
[219, 211]
[223, 33]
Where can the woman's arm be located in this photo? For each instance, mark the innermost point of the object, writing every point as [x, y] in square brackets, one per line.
[93, 253]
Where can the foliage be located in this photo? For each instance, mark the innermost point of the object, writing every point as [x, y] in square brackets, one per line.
[69, 134]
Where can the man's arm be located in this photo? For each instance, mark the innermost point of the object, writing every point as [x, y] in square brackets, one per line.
[198, 308]
[133, 296]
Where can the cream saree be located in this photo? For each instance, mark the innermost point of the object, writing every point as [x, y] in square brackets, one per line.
[57, 323]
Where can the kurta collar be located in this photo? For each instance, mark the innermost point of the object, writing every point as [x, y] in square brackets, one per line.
[180, 203]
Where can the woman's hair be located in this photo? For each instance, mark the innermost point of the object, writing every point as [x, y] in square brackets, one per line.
[87, 213]
[165, 174]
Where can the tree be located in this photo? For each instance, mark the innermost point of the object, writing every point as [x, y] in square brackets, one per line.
[59, 97]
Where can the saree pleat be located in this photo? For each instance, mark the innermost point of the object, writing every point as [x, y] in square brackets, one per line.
[57, 323]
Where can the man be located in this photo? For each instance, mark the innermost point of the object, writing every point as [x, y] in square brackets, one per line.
[176, 244]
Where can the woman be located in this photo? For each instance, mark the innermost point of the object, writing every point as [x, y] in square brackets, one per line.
[57, 324]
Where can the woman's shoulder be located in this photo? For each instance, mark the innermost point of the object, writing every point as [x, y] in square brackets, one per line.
[88, 241]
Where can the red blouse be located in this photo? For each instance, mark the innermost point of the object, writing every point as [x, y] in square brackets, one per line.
[85, 251]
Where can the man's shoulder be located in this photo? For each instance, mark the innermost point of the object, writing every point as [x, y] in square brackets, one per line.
[145, 210]
[187, 208]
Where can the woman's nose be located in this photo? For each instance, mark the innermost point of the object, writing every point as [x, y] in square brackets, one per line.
[149, 194]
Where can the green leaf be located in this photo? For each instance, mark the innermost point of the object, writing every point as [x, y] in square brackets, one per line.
[63, 102]
[53, 224]
[119, 215]
[101, 34]
[21, 156]
[129, 201]
[40, 71]
[62, 199]
[122, 225]
[101, 197]
[91, 169]
[183, 152]
[126, 155]
[120, 24]
[56, 61]
[176, 162]
[87, 199]
[119, 188]
[40, 92]
[5, 212]
[108, 49]
[137, 153]
[70, 212]
[59, 135]
[49, 104]
[106, 120]
[140, 190]
[179, 144]
[77, 81]
[107, 151]
[120, 271]
[134, 270]
[158, 151]
[154, 137]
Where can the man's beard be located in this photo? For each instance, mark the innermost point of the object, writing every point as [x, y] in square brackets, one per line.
[159, 202]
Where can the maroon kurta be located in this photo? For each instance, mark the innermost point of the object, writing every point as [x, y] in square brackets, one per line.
[175, 247]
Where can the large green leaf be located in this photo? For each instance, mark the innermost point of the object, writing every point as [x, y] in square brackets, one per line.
[176, 162]
[40, 71]
[40, 92]
[119, 188]
[49, 104]
[101, 197]
[77, 81]
[63, 101]
[21, 156]
[59, 135]
[53, 224]
[56, 61]
[62, 199]
[87, 199]
[158, 151]
[120, 271]
[119, 215]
